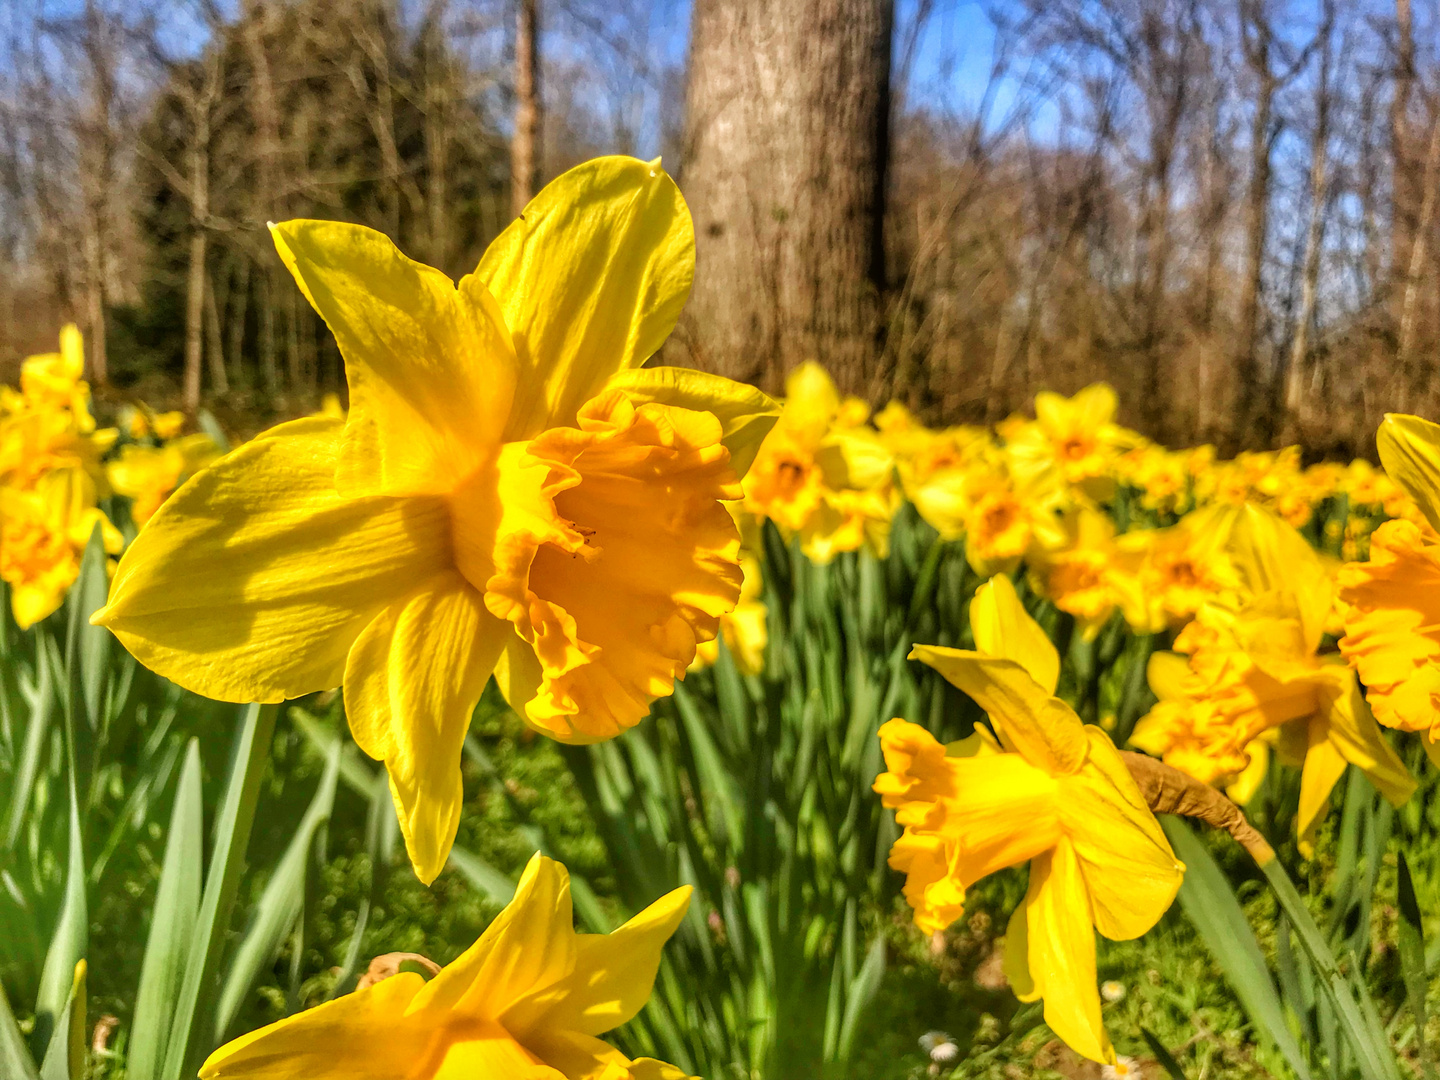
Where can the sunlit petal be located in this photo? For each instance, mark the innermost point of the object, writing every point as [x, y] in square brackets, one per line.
[412, 680]
[591, 279]
[430, 367]
[253, 580]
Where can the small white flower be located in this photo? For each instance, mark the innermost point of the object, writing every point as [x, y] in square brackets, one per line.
[939, 1046]
[1125, 1068]
[1112, 992]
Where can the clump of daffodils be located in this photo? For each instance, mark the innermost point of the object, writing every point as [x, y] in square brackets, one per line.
[51, 478]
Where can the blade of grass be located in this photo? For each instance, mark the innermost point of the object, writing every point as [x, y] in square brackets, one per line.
[15, 1060]
[862, 993]
[1162, 1055]
[69, 943]
[1411, 934]
[177, 902]
[492, 883]
[1372, 1052]
[232, 837]
[280, 905]
[37, 732]
[1210, 904]
[65, 1057]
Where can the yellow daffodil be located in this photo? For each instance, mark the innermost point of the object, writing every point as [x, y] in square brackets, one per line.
[1051, 791]
[1162, 477]
[43, 533]
[34, 442]
[1260, 668]
[148, 474]
[1174, 571]
[168, 425]
[1392, 622]
[745, 629]
[48, 425]
[525, 1002]
[509, 493]
[1001, 521]
[56, 381]
[1075, 437]
[1089, 576]
[820, 473]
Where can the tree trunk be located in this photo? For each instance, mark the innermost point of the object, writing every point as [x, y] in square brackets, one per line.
[194, 315]
[214, 349]
[1411, 382]
[525, 146]
[269, 369]
[1253, 410]
[1296, 369]
[236, 312]
[787, 142]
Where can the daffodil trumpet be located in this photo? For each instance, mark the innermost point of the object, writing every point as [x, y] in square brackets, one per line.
[510, 493]
[528, 1001]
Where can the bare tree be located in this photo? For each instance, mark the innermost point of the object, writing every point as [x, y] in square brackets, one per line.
[787, 148]
[525, 144]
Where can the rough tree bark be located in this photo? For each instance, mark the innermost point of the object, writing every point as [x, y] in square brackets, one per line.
[786, 146]
[1257, 40]
[525, 146]
[1297, 370]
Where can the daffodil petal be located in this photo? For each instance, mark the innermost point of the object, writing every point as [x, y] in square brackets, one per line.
[486, 1049]
[322, 1042]
[1004, 628]
[1062, 952]
[1130, 871]
[1252, 776]
[1016, 959]
[254, 579]
[1168, 673]
[528, 947]
[612, 979]
[1040, 727]
[1352, 730]
[746, 414]
[1324, 766]
[1410, 451]
[412, 680]
[430, 367]
[584, 1057]
[591, 279]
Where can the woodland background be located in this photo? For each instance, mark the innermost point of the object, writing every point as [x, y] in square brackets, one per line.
[1226, 208]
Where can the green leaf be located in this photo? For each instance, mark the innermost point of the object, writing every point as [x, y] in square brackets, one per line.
[1210, 904]
[280, 905]
[1411, 934]
[69, 943]
[37, 732]
[15, 1059]
[861, 994]
[381, 830]
[232, 837]
[1162, 1055]
[353, 770]
[1365, 1039]
[88, 647]
[65, 1057]
[206, 422]
[177, 903]
[491, 882]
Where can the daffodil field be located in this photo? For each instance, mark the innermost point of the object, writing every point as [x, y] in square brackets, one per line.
[298, 736]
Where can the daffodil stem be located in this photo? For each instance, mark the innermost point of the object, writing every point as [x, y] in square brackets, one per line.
[1167, 790]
